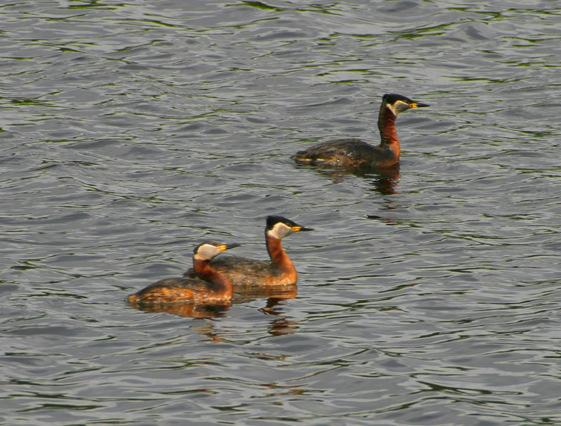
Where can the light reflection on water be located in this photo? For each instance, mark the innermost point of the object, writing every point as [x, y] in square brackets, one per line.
[130, 132]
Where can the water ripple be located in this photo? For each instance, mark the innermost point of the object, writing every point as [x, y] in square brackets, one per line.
[133, 131]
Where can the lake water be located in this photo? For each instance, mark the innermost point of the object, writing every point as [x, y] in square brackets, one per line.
[131, 131]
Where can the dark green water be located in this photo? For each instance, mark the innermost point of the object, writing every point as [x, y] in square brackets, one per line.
[131, 131]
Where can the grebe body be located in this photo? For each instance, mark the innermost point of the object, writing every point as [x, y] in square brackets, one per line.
[357, 154]
[279, 270]
[206, 286]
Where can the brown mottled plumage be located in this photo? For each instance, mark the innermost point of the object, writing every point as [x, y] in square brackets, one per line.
[207, 286]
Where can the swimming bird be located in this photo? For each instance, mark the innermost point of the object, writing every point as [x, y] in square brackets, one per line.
[357, 154]
[206, 286]
[250, 273]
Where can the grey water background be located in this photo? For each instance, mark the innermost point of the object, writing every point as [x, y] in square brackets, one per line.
[132, 130]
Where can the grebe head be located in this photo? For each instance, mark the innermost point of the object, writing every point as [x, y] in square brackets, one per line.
[210, 249]
[398, 103]
[279, 227]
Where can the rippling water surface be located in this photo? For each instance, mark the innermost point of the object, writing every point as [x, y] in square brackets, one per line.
[131, 131]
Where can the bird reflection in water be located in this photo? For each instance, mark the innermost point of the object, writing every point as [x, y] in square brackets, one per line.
[185, 309]
[275, 301]
[384, 181]
[274, 296]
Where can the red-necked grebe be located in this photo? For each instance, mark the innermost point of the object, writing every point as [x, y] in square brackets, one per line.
[357, 154]
[206, 286]
[278, 271]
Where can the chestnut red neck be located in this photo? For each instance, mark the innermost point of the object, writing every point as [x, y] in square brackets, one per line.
[387, 126]
[218, 282]
[278, 255]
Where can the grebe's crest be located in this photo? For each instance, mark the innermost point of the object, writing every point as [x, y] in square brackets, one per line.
[210, 249]
[279, 227]
[399, 103]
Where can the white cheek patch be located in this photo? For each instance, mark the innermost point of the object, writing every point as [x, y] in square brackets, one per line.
[206, 252]
[391, 108]
[279, 231]
[401, 106]
[398, 106]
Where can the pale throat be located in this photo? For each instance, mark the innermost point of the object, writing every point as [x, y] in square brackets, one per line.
[279, 231]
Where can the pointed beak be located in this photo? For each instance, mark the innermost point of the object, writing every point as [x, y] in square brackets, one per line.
[416, 104]
[298, 228]
[224, 247]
